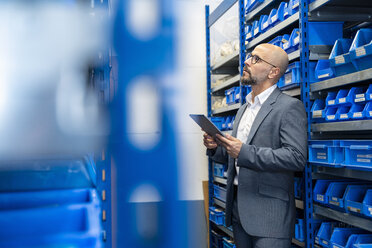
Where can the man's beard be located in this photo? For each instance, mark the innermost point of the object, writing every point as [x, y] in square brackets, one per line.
[249, 81]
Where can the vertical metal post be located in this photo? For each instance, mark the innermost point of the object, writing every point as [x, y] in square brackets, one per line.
[305, 90]
[242, 43]
[208, 54]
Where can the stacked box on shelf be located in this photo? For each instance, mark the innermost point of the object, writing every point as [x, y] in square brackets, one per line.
[361, 49]
[358, 153]
[325, 232]
[354, 198]
[249, 33]
[336, 193]
[300, 230]
[219, 193]
[339, 58]
[277, 15]
[292, 8]
[320, 192]
[57, 218]
[230, 96]
[318, 111]
[218, 122]
[323, 70]
[340, 236]
[327, 152]
[217, 215]
[367, 204]
[360, 241]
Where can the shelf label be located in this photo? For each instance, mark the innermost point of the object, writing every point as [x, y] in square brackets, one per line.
[357, 210]
[323, 75]
[265, 24]
[296, 5]
[286, 45]
[370, 96]
[359, 95]
[343, 116]
[364, 155]
[342, 100]
[331, 102]
[237, 96]
[255, 31]
[363, 160]
[360, 51]
[331, 117]
[325, 242]
[334, 203]
[370, 210]
[321, 157]
[317, 113]
[370, 113]
[320, 197]
[249, 35]
[274, 18]
[288, 78]
[357, 114]
[340, 59]
[362, 99]
[297, 40]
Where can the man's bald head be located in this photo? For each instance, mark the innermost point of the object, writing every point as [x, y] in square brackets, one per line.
[275, 55]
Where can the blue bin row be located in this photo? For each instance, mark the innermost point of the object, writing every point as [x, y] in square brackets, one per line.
[57, 218]
[219, 193]
[292, 77]
[48, 174]
[333, 235]
[219, 170]
[217, 216]
[300, 230]
[341, 153]
[344, 105]
[347, 56]
[344, 195]
[223, 123]
[233, 95]
[266, 22]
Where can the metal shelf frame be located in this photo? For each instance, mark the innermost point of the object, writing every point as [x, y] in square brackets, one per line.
[220, 180]
[344, 172]
[228, 83]
[220, 10]
[227, 65]
[343, 126]
[219, 203]
[227, 109]
[261, 7]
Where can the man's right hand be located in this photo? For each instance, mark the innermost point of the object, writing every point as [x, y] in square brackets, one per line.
[209, 141]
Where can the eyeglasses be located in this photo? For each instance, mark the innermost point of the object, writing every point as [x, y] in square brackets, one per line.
[255, 59]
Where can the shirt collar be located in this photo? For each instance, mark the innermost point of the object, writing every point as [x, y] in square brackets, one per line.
[262, 97]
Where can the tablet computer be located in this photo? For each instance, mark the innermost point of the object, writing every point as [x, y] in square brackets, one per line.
[206, 125]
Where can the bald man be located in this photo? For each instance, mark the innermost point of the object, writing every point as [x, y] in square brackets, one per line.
[268, 143]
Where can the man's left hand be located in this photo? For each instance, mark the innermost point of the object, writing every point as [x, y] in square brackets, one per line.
[231, 144]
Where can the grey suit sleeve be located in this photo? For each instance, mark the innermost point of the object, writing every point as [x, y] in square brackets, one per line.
[291, 156]
[219, 155]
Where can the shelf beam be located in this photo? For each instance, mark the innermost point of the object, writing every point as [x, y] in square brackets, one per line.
[364, 125]
[297, 242]
[262, 6]
[342, 80]
[344, 172]
[226, 109]
[299, 204]
[360, 222]
[219, 203]
[228, 65]
[228, 83]
[293, 92]
[220, 180]
[225, 230]
[220, 10]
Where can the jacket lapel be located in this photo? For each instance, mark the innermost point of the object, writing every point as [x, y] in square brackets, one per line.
[261, 115]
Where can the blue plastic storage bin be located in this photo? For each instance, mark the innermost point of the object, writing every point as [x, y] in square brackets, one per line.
[367, 204]
[219, 193]
[359, 94]
[368, 110]
[218, 169]
[324, 233]
[318, 111]
[249, 33]
[340, 236]
[252, 4]
[218, 121]
[230, 96]
[331, 99]
[237, 94]
[369, 93]
[330, 114]
[339, 58]
[48, 174]
[361, 49]
[216, 240]
[230, 124]
[342, 97]
[277, 41]
[325, 33]
[320, 191]
[342, 113]
[357, 112]
[48, 198]
[300, 230]
[354, 195]
[265, 23]
[227, 243]
[294, 41]
[323, 70]
[277, 15]
[358, 153]
[363, 239]
[256, 29]
[292, 76]
[336, 193]
[227, 122]
[326, 152]
[292, 7]
[217, 216]
[65, 226]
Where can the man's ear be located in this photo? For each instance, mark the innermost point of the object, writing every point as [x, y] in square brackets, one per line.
[274, 72]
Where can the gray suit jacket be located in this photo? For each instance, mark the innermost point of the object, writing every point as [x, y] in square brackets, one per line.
[275, 148]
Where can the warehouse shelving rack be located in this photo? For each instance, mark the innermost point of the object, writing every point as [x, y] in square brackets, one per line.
[351, 12]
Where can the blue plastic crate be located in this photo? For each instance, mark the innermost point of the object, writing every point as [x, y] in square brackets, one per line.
[256, 29]
[357, 112]
[358, 153]
[216, 240]
[237, 94]
[223, 125]
[277, 41]
[249, 32]
[294, 41]
[292, 8]
[252, 4]
[323, 70]
[336, 193]
[277, 15]
[342, 113]
[354, 198]
[318, 111]
[326, 152]
[218, 170]
[227, 243]
[316, 226]
[285, 42]
[342, 97]
[352, 239]
[369, 93]
[218, 121]
[292, 76]
[363, 239]
[367, 203]
[320, 191]
[324, 233]
[339, 58]
[48, 198]
[265, 23]
[219, 193]
[361, 49]
[325, 33]
[360, 94]
[262, 20]
[331, 99]
[300, 230]
[230, 96]
[330, 114]
[48, 174]
[230, 124]
[340, 236]
[368, 110]
[217, 215]
[65, 226]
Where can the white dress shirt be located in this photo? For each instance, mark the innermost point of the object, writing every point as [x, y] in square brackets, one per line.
[248, 118]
